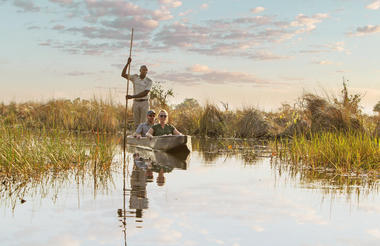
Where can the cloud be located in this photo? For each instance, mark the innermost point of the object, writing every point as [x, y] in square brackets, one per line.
[204, 6]
[58, 27]
[203, 74]
[171, 3]
[78, 73]
[325, 48]
[374, 5]
[62, 1]
[185, 12]
[306, 23]
[26, 5]
[234, 37]
[257, 228]
[257, 10]
[365, 30]
[33, 28]
[267, 55]
[374, 232]
[323, 62]
[199, 68]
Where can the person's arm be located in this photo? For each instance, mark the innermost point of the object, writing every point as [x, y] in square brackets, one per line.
[124, 72]
[139, 131]
[143, 93]
[149, 134]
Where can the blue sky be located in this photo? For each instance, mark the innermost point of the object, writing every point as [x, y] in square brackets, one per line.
[245, 53]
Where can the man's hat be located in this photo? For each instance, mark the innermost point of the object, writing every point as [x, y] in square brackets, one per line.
[151, 112]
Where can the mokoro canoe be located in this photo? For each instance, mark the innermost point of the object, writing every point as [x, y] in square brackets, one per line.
[170, 143]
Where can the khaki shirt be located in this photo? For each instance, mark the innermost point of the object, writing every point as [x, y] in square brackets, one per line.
[140, 85]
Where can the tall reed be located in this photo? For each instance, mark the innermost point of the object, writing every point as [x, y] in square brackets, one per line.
[344, 152]
[28, 154]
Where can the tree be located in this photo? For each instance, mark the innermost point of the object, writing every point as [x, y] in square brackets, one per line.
[377, 108]
[159, 96]
[188, 103]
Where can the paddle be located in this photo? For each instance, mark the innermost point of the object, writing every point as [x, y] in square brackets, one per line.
[126, 100]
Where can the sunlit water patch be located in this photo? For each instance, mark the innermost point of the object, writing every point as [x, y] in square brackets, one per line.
[218, 195]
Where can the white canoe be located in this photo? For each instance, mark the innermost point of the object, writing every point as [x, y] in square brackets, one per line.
[170, 143]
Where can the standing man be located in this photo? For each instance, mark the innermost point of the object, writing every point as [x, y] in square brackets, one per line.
[141, 88]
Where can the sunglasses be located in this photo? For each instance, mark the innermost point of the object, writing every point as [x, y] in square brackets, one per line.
[151, 115]
[163, 115]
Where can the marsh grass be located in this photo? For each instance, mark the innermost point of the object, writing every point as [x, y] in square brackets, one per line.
[26, 153]
[345, 152]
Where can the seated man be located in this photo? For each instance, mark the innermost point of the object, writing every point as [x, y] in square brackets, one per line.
[143, 128]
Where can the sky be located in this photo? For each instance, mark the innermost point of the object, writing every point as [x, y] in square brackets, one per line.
[238, 52]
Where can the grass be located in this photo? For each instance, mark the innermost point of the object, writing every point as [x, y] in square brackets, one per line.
[27, 154]
[345, 152]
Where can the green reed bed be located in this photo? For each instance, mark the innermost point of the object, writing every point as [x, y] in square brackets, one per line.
[346, 152]
[29, 153]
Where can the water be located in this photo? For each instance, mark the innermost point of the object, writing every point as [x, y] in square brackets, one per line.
[217, 196]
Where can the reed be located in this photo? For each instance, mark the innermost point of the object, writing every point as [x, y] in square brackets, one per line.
[26, 154]
[345, 152]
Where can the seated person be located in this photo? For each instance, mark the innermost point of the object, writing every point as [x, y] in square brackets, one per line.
[162, 128]
[143, 128]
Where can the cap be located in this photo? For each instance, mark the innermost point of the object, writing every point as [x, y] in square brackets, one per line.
[151, 112]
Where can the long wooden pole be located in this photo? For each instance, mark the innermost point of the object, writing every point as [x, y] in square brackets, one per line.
[124, 212]
[126, 100]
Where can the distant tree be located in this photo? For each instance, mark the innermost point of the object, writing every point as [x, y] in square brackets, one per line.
[159, 96]
[377, 108]
[188, 103]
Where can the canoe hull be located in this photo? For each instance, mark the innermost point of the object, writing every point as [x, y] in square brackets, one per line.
[171, 143]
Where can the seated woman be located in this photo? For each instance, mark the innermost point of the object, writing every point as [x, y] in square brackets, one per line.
[162, 128]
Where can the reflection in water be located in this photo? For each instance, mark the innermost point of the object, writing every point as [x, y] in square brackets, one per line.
[250, 150]
[145, 163]
[14, 191]
[328, 181]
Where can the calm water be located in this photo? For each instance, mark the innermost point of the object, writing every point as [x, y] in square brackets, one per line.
[218, 195]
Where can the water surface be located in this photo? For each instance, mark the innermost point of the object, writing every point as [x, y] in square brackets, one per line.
[222, 194]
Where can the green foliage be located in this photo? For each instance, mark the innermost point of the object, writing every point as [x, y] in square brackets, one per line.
[212, 123]
[186, 116]
[188, 103]
[159, 96]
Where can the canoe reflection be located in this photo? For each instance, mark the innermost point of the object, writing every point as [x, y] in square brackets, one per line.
[145, 164]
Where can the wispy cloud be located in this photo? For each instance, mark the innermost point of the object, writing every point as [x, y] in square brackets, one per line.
[78, 73]
[306, 23]
[26, 5]
[374, 232]
[323, 62]
[374, 5]
[365, 30]
[325, 48]
[203, 74]
[62, 1]
[257, 10]
[241, 36]
[204, 6]
[171, 3]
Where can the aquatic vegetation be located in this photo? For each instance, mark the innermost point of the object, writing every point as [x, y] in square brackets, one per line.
[28, 153]
[212, 122]
[251, 124]
[345, 152]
